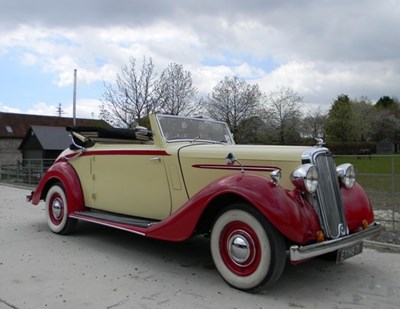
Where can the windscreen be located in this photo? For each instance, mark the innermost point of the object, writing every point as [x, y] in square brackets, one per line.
[175, 128]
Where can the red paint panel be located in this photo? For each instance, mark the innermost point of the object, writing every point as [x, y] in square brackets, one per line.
[357, 206]
[287, 211]
[61, 172]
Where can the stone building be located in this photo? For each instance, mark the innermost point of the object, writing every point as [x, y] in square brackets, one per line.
[14, 127]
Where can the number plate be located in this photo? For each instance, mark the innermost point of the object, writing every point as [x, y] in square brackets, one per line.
[345, 253]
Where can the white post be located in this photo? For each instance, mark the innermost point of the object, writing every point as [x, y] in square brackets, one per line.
[74, 100]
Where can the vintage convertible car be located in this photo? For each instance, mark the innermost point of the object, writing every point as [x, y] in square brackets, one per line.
[260, 205]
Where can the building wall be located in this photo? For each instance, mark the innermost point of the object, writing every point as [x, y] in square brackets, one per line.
[9, 153]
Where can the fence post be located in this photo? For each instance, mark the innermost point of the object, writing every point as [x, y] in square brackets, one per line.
[29, 171]
[394, 192]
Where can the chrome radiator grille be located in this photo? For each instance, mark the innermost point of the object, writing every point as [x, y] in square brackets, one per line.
[328, 201]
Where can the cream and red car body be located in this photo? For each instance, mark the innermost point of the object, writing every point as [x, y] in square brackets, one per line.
[172, 190]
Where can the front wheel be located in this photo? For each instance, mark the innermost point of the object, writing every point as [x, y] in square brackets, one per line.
[248, 252]
[57, 211]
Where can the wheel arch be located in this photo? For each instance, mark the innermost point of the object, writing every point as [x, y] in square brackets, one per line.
[215, 207]
[292, 216]
[64, 173]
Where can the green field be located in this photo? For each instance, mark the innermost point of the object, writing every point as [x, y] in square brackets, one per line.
[380, 173]
[378, 164]
[380, 177]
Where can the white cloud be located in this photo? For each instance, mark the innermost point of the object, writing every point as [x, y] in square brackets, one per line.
[319, 48]
[8, 109]
[85, 108]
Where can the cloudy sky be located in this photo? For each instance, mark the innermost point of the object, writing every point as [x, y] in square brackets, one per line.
[318, 48]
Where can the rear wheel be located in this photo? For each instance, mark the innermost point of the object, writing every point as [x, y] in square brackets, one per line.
[57, 211]
[248, 252]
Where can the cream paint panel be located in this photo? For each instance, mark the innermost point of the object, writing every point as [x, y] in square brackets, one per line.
[175, 178]
[287, 158]
[178, 192]
[197, 178]
[83, 167]
[134, 185]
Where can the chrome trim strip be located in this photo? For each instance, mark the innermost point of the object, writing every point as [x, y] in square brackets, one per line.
[252, 168]
[300, 253]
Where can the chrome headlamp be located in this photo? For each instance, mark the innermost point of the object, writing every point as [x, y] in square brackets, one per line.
[347, 174]
[305, 178]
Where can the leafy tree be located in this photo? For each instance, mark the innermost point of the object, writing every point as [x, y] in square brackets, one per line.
[340, 121]
[233, 101]
[385, 102]
[283, 114]
[133, 97]
[362, 110]
[253, 131]
[176, 91]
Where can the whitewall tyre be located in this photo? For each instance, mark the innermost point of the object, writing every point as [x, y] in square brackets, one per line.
[248, 252]
[56, 208]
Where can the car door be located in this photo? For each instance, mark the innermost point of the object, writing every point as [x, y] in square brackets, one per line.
[131, 182]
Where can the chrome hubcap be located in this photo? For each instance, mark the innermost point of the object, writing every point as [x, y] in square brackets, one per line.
[239, 249]
[57, 209]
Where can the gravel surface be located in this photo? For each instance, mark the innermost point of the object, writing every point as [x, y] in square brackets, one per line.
[100, 267]
[390, 235]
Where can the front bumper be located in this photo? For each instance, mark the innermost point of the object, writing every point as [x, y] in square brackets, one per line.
[300, 253]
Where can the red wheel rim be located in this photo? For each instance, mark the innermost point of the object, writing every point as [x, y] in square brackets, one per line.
[56, 209]
[240, 248]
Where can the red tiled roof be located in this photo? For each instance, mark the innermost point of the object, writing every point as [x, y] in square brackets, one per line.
[17, 125]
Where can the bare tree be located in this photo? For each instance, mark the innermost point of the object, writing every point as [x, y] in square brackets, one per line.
[384, 125]
[233, 101]
[176, 91]
[133, 97]
[313, 123]
[283, 114]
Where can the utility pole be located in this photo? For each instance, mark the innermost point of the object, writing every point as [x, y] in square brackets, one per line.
[60, 111]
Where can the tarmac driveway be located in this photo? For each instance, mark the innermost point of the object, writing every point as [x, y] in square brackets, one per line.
[98, 267]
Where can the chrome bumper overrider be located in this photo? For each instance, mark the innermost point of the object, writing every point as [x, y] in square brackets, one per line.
[299, 253]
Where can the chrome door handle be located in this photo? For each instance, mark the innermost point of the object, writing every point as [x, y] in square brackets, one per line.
[156, 159]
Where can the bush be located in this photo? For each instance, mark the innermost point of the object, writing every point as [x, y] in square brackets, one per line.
[350, 148]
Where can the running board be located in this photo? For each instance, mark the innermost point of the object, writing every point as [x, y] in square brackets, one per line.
[110, 219]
